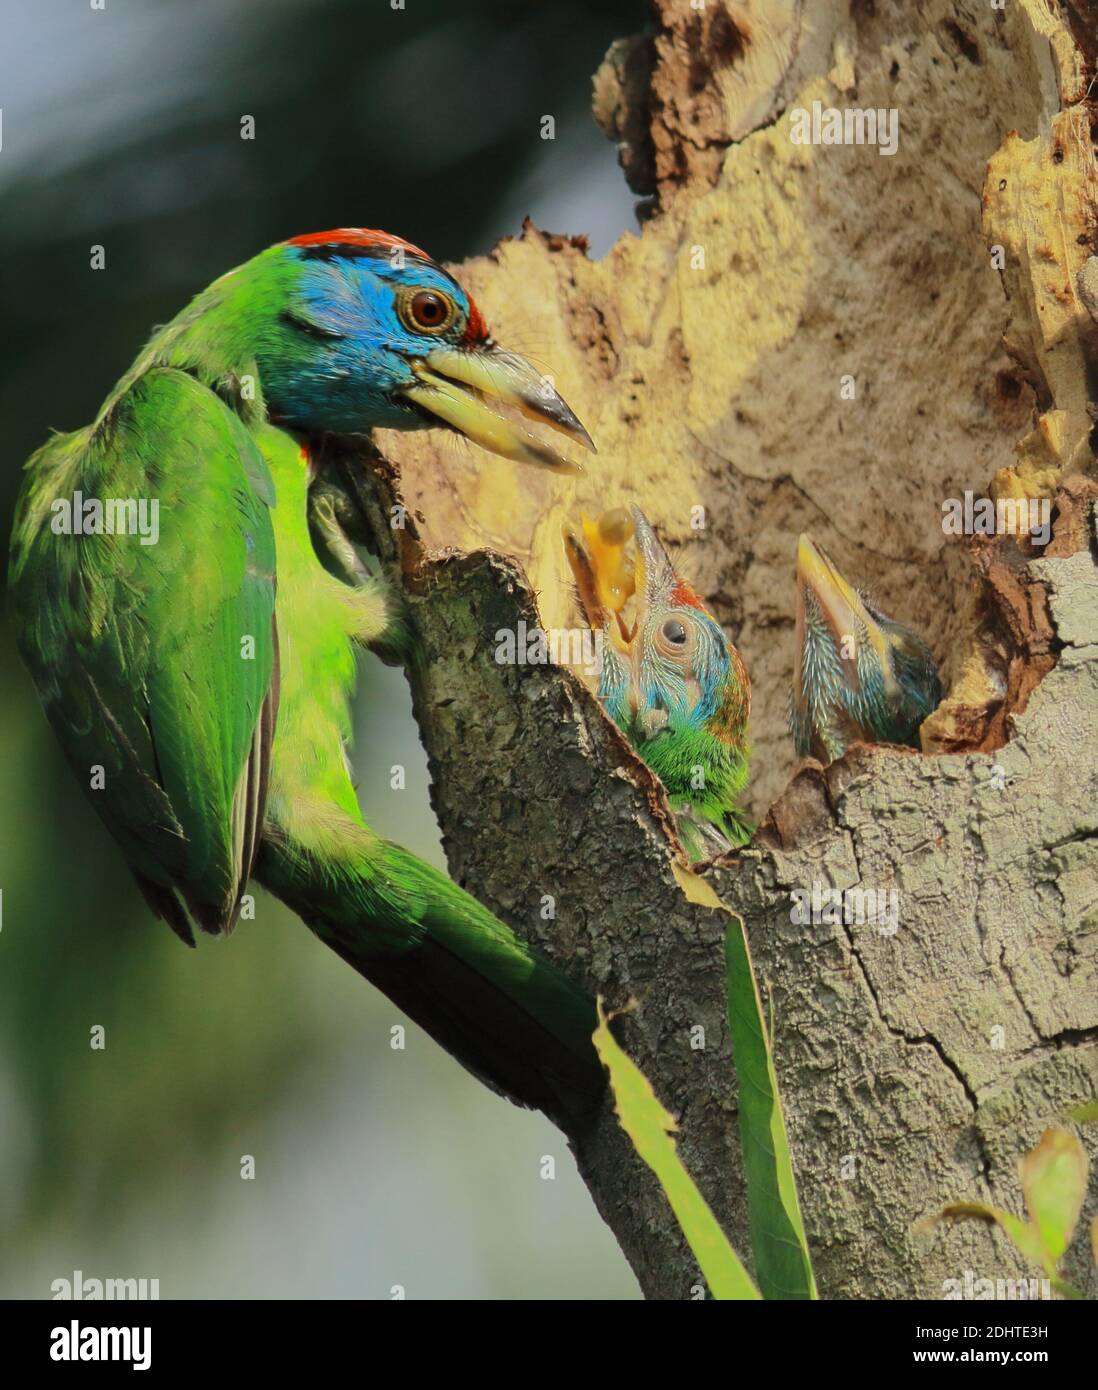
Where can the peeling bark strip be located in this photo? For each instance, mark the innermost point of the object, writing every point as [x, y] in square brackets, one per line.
[705, 356]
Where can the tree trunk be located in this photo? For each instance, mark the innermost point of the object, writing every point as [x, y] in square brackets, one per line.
[706, 356]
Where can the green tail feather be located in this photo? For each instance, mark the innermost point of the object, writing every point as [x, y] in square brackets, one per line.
[502, 1009]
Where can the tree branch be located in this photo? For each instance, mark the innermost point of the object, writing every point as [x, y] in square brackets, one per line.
[706, 358]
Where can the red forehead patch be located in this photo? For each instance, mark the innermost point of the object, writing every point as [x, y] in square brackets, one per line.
[685, 597]
[357, 236]
[476, 330]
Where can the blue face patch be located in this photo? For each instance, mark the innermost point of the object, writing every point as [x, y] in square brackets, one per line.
[356, 297]
[690, 693]
[613, 689]
[344, 348]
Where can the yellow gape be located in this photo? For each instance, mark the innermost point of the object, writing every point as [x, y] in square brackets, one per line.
[606, 581]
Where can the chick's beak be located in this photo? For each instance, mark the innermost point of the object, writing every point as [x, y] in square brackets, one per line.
[655, 575]
[585, 576]
[598, 599]
[846, 615]
[455, 384]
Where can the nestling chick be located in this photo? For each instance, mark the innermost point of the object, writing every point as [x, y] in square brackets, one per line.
[858, 676]
[670, 679]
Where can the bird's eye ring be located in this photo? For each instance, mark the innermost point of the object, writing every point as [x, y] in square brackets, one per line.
[674, 632]
[427, 311]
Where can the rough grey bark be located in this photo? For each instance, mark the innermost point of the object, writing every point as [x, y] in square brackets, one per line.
[915, 1066]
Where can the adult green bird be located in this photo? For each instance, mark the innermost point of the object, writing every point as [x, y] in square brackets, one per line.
[670, 679]
[200, 680]
[858, 676]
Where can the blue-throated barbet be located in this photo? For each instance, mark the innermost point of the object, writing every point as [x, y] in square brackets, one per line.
[858, 676]
[201, 685]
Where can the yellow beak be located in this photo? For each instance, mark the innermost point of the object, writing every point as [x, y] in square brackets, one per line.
[847, 616]
[604, 582]
[454, 384]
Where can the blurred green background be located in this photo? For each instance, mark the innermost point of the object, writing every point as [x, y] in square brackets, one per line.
[374, 1168]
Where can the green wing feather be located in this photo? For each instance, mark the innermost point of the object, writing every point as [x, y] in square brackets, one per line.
[158, 662]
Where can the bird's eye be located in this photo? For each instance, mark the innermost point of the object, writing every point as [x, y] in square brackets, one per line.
[428, 311]
[674, 632]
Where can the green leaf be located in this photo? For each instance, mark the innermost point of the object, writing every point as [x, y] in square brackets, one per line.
[782, 1262]
[1054, 1181]
[1024, 1235]
[649, 1126]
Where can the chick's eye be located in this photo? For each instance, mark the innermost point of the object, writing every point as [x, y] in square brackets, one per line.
[674, 632]
[430, 311]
